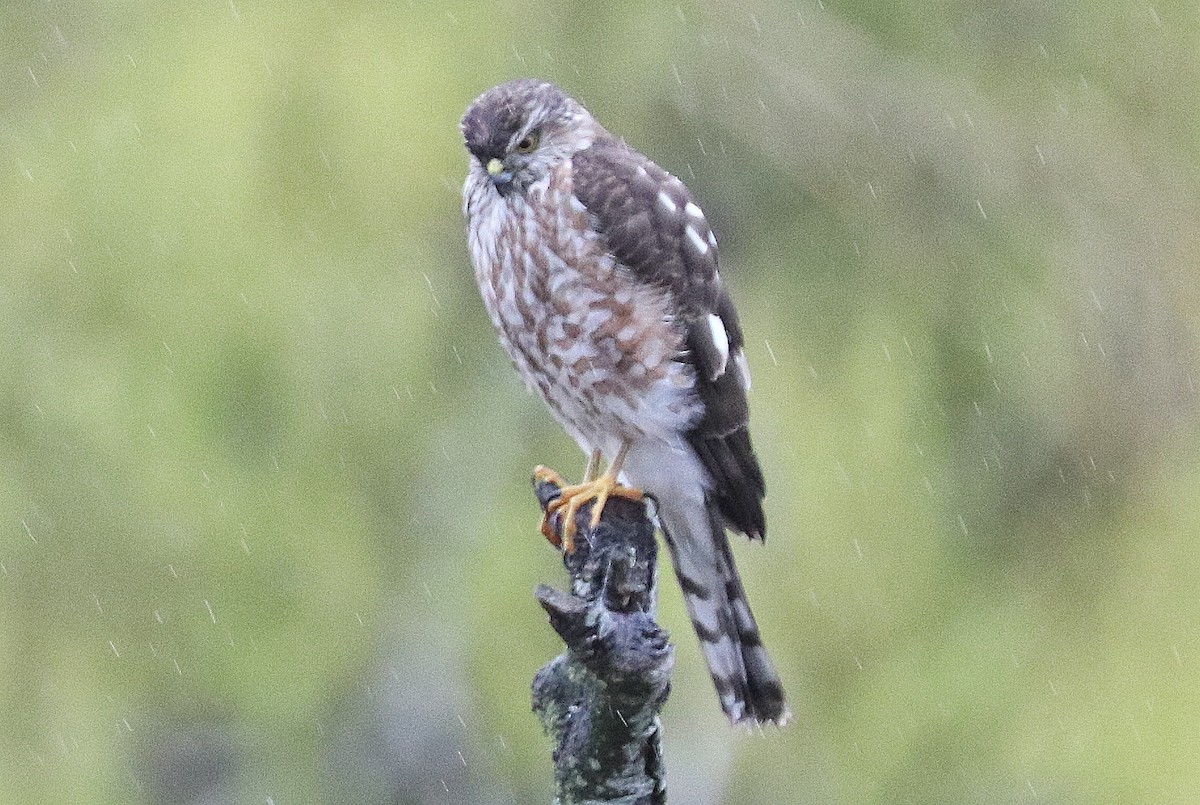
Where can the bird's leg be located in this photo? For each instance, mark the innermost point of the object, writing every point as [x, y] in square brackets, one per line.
[607, 485]
[593, 467]
[572, 498]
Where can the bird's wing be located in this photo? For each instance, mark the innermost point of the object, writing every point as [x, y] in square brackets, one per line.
[650, 223]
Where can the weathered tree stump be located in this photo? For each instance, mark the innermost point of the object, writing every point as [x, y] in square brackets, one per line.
[600, 699]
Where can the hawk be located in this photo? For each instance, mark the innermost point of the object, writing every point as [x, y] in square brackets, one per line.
[599, 272]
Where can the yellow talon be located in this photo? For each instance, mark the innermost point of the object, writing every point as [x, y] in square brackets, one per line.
[548, 475]
[572, 498]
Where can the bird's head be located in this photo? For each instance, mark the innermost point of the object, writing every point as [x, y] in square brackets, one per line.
[519, 131]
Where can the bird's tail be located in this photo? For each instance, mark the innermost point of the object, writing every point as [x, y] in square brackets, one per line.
[747, 683]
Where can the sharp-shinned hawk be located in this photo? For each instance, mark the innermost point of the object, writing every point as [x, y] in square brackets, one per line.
[600, 275]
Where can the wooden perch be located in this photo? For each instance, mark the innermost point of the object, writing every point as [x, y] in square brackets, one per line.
[599, 700]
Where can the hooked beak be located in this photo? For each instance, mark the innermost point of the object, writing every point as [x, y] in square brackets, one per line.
[501, 177]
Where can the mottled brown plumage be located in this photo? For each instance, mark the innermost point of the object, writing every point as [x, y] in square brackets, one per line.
[600, 275]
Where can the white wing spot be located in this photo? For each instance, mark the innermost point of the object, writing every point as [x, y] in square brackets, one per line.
[641, 171]
[700, 243]
[694, 211]
[667, 202]
[712, 239]
[739, 360]
[720, 340]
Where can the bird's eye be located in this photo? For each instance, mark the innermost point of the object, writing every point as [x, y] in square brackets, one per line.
[528, 143]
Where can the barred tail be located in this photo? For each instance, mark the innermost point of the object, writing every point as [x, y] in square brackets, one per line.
[747, 683]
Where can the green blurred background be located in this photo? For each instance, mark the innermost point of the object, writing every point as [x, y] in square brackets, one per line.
[266, 533]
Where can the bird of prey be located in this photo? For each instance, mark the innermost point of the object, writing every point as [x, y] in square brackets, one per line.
[599, 272]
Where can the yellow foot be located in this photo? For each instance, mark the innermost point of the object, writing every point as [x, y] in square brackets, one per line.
[572, 498]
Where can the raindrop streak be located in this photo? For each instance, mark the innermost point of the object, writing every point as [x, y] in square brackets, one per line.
[771, 352]
[211, 614]
[432, 294]
[25, 525]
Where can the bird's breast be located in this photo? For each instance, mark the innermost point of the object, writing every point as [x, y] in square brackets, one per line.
[596, 344]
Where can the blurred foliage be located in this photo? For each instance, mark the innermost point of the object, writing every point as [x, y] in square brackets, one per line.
[266, 533]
